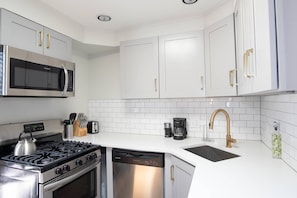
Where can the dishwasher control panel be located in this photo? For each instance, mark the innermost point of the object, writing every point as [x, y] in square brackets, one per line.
[138, 157]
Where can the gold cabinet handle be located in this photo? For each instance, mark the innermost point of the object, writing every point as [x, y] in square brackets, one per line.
[202, 83]
[156, 84]
[246, 63]
[172, 172]
[40, 38]
[48, 36]
[231, 77]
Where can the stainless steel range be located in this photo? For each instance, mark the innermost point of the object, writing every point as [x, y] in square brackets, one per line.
[61, 168]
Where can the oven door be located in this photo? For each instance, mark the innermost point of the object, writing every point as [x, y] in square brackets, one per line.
[82, 184]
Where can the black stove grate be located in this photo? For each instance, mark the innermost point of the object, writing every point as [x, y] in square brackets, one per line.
[50, 154]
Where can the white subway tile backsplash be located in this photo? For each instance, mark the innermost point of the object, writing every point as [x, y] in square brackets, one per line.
[146, 116]
[281, 108]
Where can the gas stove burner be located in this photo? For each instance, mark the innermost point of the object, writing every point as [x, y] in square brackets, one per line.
[40, 158]
[67, 147]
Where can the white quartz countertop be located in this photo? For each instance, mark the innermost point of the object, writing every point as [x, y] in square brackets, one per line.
[254, 174]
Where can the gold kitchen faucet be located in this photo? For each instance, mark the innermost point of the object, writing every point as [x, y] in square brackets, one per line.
[229, 140]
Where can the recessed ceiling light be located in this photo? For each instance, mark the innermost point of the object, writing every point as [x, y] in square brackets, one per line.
[104, 18]
[189, 1]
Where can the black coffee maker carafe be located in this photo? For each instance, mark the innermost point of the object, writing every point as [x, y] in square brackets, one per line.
[179, 128]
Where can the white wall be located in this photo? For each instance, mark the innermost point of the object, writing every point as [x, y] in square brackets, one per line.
[220, 12]
[104, 77]
[162, 28]
[40, 13]
[281, 108]
[31, 109]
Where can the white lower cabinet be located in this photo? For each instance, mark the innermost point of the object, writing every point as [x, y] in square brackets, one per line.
[178, 177]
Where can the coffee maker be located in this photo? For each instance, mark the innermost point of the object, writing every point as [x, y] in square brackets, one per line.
[179, 128]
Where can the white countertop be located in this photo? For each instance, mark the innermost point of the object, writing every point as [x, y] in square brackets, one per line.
[254, 174]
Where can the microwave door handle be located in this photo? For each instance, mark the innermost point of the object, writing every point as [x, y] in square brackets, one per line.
[66, 80]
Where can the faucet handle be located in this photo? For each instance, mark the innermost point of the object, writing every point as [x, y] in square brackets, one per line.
[229, 140]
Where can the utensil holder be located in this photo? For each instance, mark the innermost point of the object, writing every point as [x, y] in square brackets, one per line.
[77, 131]
[68, 131]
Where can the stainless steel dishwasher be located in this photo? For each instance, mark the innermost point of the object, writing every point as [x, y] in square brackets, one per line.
[137, 174]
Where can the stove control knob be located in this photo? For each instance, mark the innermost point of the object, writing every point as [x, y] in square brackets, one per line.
[66, 168]
[94, 156]
[89, 157]
[58, 171]
[79, 162]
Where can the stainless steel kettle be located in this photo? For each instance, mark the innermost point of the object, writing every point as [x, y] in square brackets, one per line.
[25, 146]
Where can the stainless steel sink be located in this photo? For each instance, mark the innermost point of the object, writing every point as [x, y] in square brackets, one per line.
[211, 153]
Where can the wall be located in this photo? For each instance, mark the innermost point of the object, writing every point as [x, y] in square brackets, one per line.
[281, 108]
[32, 109]
[220, 12]
[147, 116]
[104, 77]
[40, 13]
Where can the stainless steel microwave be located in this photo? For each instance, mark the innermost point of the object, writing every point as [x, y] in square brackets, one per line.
[24, 73]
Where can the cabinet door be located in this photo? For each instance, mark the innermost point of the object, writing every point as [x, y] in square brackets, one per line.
[256, 40]
[182, 177]
[139, 68]
[182, 65]
[57, 45]
[178, 177]
[220, 65]
[244, 43]
[22, 33]
[265, 47]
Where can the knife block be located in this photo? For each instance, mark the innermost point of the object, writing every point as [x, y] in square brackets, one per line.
[77, 131]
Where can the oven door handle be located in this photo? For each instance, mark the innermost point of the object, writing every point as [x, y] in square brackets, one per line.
[57, 184]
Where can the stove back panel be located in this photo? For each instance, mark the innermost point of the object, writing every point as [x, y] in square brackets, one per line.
[12, 131]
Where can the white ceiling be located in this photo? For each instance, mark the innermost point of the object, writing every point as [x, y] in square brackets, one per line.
[129, 13]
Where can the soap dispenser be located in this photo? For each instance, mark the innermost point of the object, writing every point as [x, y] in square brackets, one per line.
[276, 141]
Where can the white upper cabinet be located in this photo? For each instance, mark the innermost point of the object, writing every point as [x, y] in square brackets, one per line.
[56, 44]
[22, 33]
[140, 68]
[220, 66]
[257, 67]
[261, 32]
[182, 65]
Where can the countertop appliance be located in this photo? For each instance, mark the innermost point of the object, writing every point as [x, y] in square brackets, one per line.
[137, 174]
[93, 127]
[63, 168]
[24, 73]
[179, 128]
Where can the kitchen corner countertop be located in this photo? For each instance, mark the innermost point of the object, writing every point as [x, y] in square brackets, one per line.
[254, 174]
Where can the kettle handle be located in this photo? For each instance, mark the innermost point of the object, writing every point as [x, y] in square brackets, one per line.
[24, 133]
